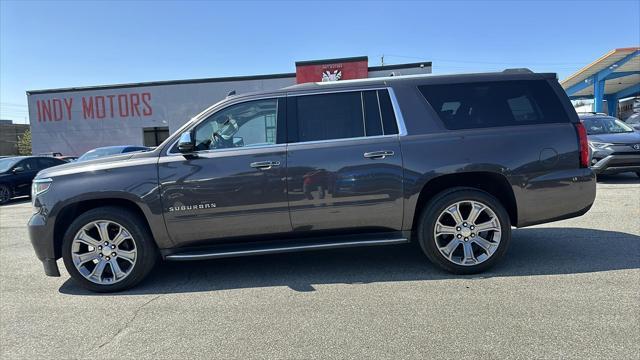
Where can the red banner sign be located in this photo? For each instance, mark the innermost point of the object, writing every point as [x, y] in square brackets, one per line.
[318, 71]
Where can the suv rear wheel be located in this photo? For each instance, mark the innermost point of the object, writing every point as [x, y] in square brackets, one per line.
[108, 249]
[464, 230]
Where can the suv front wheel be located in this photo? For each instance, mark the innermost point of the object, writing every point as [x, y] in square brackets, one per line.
[108, 249]
[464, 230]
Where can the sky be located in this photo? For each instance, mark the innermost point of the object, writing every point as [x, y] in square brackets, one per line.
[56, 44]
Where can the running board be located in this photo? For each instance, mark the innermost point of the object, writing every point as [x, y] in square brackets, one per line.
[278, 249]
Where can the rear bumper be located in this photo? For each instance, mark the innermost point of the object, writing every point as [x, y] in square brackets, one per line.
[41, 235]
[555, 196]
[615, 164]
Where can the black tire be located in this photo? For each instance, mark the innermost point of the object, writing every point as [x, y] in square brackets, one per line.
[5, 194]
[638, 173]
[147, 253]
[431, 213]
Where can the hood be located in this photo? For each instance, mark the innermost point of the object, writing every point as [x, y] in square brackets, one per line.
[121, 160]
[619, 138]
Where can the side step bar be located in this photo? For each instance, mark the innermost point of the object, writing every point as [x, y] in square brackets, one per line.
[277, 249]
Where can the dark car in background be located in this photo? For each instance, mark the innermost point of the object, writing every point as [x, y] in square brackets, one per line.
[16, 174]
[614, 146]
[110, 151]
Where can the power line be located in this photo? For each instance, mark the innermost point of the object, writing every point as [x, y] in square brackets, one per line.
[486, 62]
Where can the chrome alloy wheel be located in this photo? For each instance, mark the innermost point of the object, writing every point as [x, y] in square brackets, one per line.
[104, 252]
[467, 232]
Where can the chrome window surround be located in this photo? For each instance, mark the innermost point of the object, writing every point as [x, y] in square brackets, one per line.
[402, 130]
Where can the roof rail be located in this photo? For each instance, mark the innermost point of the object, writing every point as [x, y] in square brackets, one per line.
[518, 70]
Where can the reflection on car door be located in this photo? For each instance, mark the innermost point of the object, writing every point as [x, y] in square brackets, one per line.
[236, 186]
[344, 162]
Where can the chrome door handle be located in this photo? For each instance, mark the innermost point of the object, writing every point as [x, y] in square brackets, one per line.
[378, 154]
[264, 165]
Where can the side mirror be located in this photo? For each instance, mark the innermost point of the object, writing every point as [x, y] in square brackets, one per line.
[18, 169]
[186, 144]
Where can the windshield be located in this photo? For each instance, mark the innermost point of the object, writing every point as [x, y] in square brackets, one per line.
[604, 125]
[98, 153]
[6, 164]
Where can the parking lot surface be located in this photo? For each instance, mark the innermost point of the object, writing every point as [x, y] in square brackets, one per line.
[569, 289]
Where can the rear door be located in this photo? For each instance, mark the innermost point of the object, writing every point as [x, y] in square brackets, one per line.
[344, 162]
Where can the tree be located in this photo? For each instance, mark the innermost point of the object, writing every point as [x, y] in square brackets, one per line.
[24, 143]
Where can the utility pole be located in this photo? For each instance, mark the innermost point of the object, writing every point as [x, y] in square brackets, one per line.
[382, 60]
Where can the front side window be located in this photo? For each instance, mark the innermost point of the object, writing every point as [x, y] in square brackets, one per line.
[251, 123]
[28, 164]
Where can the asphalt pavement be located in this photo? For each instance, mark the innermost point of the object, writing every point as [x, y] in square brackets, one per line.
[568, 289]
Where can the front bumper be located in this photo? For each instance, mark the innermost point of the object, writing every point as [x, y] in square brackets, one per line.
[41, 235]
[615, 164]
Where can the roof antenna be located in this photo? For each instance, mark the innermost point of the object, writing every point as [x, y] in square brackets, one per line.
[231, 93]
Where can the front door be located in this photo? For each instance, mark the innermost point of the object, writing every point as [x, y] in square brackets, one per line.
[24, 172]
[235, 185]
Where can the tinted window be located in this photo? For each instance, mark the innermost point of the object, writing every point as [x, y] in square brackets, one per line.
[46, 163]
[489, 104]
[388, 116]
[251, 123]
[372, 117]
[30, 164]
[330, 116]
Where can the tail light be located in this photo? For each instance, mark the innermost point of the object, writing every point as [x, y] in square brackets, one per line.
[584, 145]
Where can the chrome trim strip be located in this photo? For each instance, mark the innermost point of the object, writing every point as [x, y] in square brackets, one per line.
[276, 250]
[402, 129]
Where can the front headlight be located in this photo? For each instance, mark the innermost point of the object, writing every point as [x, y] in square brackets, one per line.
[39, 186]
[598, 145]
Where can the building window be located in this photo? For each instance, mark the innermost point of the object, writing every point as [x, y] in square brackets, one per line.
[154, 136]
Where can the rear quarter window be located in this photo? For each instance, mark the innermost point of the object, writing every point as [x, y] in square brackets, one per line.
[492, 104]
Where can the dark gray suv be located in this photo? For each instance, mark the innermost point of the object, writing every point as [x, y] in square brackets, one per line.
[452, 162]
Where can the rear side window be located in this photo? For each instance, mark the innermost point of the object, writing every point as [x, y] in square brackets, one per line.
[330, 116]
[343, 115]
[47, 163]
[373, 119]
[388, 116]
[491, 104]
